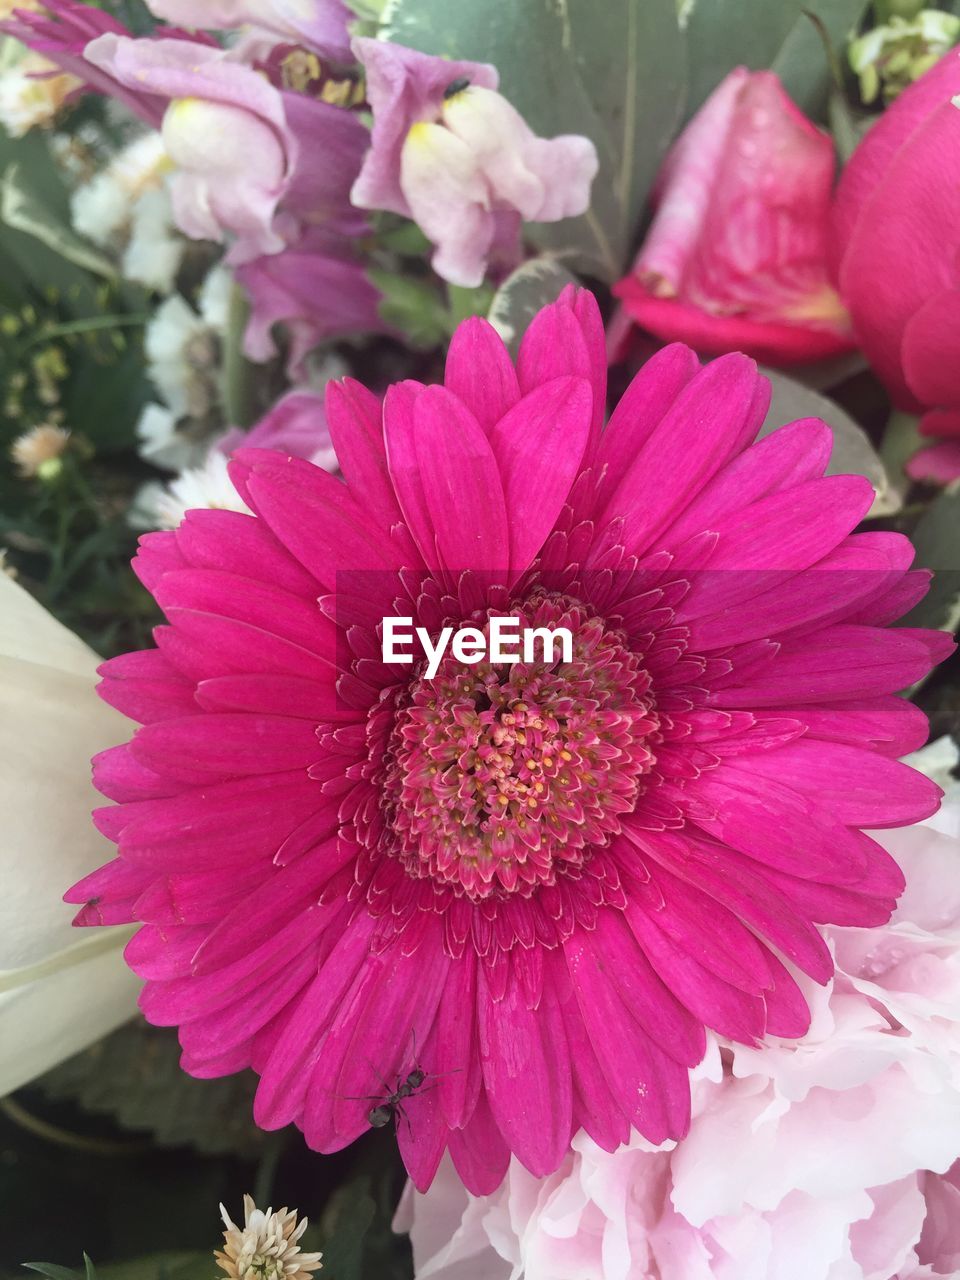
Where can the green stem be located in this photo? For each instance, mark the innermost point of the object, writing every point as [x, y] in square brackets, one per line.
[901, 440]
[607, 257]
[238, 402]
[267, 1169]
[87, 325]
[48, 1132]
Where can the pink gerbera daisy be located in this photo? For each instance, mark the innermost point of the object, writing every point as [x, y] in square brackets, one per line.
[513, 895]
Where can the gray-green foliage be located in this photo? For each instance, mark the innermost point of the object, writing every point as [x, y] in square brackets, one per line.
[936, 538]
[134, 1075]
[723, 34]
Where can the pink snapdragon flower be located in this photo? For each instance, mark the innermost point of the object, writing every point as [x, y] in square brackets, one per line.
[318, 288]
[240, 144]
[451, 153]
[296, 425]
[320, 25]
[736, 256]
[63, 29]
[834, 1156]
[537, 883]
[895, 248]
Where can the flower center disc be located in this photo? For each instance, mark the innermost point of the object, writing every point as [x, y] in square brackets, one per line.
[501, 775]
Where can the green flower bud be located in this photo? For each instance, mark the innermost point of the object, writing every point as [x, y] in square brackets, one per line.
[50, 469]
[892, 56]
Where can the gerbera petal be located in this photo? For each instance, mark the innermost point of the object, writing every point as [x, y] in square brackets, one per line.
[459, 471]
[157, 554]
[595, 1108]
[194, 897]
[789, 604]
[860, 662]
[650, 1087]
[283, 695]
[728, 876]
[859, 787]
[644, 403]
[526, 1073]
[423, 1140]
[479, 1152]
[553, 346]
[666, 1020]
[887, 724]
[480, 373]
[199, 827]
[203, 645]
[539, 446]
[235, 543]
[228, 595]
[784, 459]
[217, 746]
[287, 1073]
[453, 1047]
[145, 686]
[119, 775]
[718, 1004]
[313, 514]
[695, 437]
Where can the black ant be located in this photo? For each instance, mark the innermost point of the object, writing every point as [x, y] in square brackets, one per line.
[456, 86]
[391, 1107]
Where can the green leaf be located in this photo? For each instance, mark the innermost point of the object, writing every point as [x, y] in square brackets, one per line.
[613, 71]
[767, 33]
[29, 269]
[23, 209]
[135, 1076]
[402, 237]
[367, 10]
[853, 454]
[346, 1221]
[532, 286]
[412, 306]
[936, 538]
[105, 392]
[162, 1266]
[155, 1266]
[53, 1272]
[464, 303]
[239, 373]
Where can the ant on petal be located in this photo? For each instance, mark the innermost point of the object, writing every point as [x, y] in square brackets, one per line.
[391, 1107]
